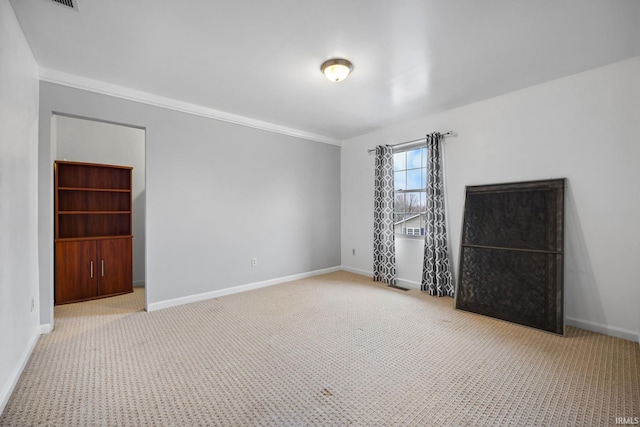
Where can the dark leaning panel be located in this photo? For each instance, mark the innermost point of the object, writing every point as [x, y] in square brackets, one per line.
[512, 253]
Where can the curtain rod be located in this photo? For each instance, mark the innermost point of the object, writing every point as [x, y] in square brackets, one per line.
[373, 150]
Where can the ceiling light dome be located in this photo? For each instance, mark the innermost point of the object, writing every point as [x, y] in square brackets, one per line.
[336, 69]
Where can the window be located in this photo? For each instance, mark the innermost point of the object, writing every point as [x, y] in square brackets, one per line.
[414, 231]
[410, 184]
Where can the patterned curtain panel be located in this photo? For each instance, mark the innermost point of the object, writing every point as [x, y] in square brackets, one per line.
[384, 246]
[436, 271]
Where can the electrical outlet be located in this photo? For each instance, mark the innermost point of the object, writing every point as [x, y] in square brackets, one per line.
[254, 262]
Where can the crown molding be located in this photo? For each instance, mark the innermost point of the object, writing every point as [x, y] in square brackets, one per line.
[79, 82]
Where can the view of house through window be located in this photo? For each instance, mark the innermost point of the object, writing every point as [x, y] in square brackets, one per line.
[410, 183]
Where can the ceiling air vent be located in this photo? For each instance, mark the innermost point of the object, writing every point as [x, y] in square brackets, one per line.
[71, 4]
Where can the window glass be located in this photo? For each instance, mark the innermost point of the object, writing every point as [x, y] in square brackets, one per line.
[399, 161]
[414, 179]
[400, 180]
[414, 158]
[410, 175]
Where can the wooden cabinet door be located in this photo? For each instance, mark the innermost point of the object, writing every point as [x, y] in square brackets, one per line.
[114, 266]
[76, 271]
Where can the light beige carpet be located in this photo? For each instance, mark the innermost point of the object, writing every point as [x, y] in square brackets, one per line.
[333, 350]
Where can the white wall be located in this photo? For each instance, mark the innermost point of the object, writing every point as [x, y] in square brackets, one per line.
[205, 180]
[92, 141]
[586, 128]
[19, 320]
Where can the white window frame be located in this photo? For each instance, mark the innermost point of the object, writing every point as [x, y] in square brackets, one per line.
[403, 232]
[412, 231]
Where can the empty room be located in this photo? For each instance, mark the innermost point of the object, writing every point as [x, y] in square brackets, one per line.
[288, 213]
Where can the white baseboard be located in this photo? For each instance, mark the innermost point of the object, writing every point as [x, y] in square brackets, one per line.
[236, 289]
[401, 282]
[17, 370]
[356, 271]
[408, 284]
[604, 329]
[138, 283]
[45, 329]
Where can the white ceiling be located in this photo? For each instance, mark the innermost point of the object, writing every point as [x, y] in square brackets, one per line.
[260, 59]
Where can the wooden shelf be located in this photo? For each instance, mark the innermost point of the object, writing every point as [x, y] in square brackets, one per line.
[106, 190]
[92, 212]
[94, 224]
[78, 239]
[92, 176]
[93, 231]
[93, 200]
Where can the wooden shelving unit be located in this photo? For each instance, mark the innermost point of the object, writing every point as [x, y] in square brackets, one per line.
[93, 240]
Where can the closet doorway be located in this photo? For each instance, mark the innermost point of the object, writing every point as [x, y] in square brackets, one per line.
[80, 139]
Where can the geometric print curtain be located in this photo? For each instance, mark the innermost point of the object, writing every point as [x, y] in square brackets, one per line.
[436, 271]
[384, 246]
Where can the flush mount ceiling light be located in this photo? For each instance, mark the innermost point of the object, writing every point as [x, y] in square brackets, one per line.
[336, 69]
